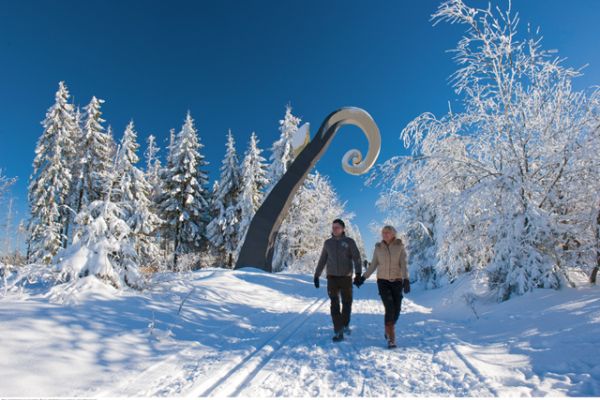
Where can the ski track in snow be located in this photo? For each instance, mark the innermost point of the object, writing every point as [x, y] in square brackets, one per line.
[241, 374]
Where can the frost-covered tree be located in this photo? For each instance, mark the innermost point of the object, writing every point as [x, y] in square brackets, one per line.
[103, 247]
[73, 159]
[5, 183]
[153, 166]
[308, 224]
[282, 156]
[7, 227]
[50, 182]
[282, 152]
[253, 183]
[184, 203]
[223, 230]
[131, 191]
[509, 184]
[97, 152]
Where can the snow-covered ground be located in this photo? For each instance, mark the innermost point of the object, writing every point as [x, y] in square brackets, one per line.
[217, 332]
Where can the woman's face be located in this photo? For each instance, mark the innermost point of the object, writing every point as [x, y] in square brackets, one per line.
[387, 235]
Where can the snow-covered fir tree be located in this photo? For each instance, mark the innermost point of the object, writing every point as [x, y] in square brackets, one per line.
[223, 230]
[505, 186]
[153, 166]
[50, 182]
[7, 227]
[73, 159]
[253, 183]
[103, 247]
[184, 203]
[282, 152]
[131, 191]
[97, 152]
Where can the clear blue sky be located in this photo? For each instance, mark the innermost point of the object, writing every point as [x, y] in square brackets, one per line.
[235, 64]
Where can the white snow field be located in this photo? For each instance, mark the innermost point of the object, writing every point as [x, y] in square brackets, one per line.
[246, 333]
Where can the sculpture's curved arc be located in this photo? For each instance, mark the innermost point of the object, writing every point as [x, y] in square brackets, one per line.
[257, 250]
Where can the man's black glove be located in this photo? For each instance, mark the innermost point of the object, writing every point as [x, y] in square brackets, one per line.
[406, 286]
[358, 280]
[317, 282]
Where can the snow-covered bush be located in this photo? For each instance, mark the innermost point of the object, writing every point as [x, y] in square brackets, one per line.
[509, 183]
[103, 248]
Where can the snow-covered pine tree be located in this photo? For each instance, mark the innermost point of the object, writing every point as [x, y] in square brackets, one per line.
[97, 153]
[213, 201]
[165, 233]
[74, 161]
[113, 147]
[171, 146]
[8, 230]
[103, 246]
[282, 153]
[253, 182]
[223, 230]
[50, 182]
[184, 203]
[131, 192]
[153, 166]
[282, 156]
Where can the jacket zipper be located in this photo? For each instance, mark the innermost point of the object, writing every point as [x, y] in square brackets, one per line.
[389, 264]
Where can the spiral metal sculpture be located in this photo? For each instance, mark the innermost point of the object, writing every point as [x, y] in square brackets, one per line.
[257, 250]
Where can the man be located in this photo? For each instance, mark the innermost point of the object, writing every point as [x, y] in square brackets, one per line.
[338, 254]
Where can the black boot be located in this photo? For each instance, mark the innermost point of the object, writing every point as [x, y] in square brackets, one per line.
[339, 336]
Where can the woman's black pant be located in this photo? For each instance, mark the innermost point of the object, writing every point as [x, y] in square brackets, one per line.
[391, 295]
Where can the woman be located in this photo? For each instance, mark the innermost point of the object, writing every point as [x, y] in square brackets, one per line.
[389, 259]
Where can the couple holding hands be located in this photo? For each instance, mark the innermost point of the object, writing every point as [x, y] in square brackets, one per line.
[389, 259]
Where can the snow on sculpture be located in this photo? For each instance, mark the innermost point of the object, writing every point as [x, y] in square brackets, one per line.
[257, 250]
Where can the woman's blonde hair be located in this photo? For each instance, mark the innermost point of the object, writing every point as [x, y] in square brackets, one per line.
[390, 228]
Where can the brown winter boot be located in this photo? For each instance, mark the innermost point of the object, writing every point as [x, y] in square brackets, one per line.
[392, 342]
[390, 335]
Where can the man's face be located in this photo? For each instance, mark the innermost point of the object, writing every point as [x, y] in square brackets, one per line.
[337, 229]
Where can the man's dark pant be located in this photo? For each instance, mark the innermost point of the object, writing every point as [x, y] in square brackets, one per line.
[336, 286]
[391, 295]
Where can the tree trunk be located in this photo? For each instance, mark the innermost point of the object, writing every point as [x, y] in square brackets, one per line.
[176, 245]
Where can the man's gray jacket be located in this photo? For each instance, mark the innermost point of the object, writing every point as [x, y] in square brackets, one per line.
[338, 254]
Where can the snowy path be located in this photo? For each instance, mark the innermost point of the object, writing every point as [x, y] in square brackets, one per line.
[253, 334]
[311, 364]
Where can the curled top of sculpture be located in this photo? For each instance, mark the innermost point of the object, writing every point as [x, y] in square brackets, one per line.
[353, 161]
